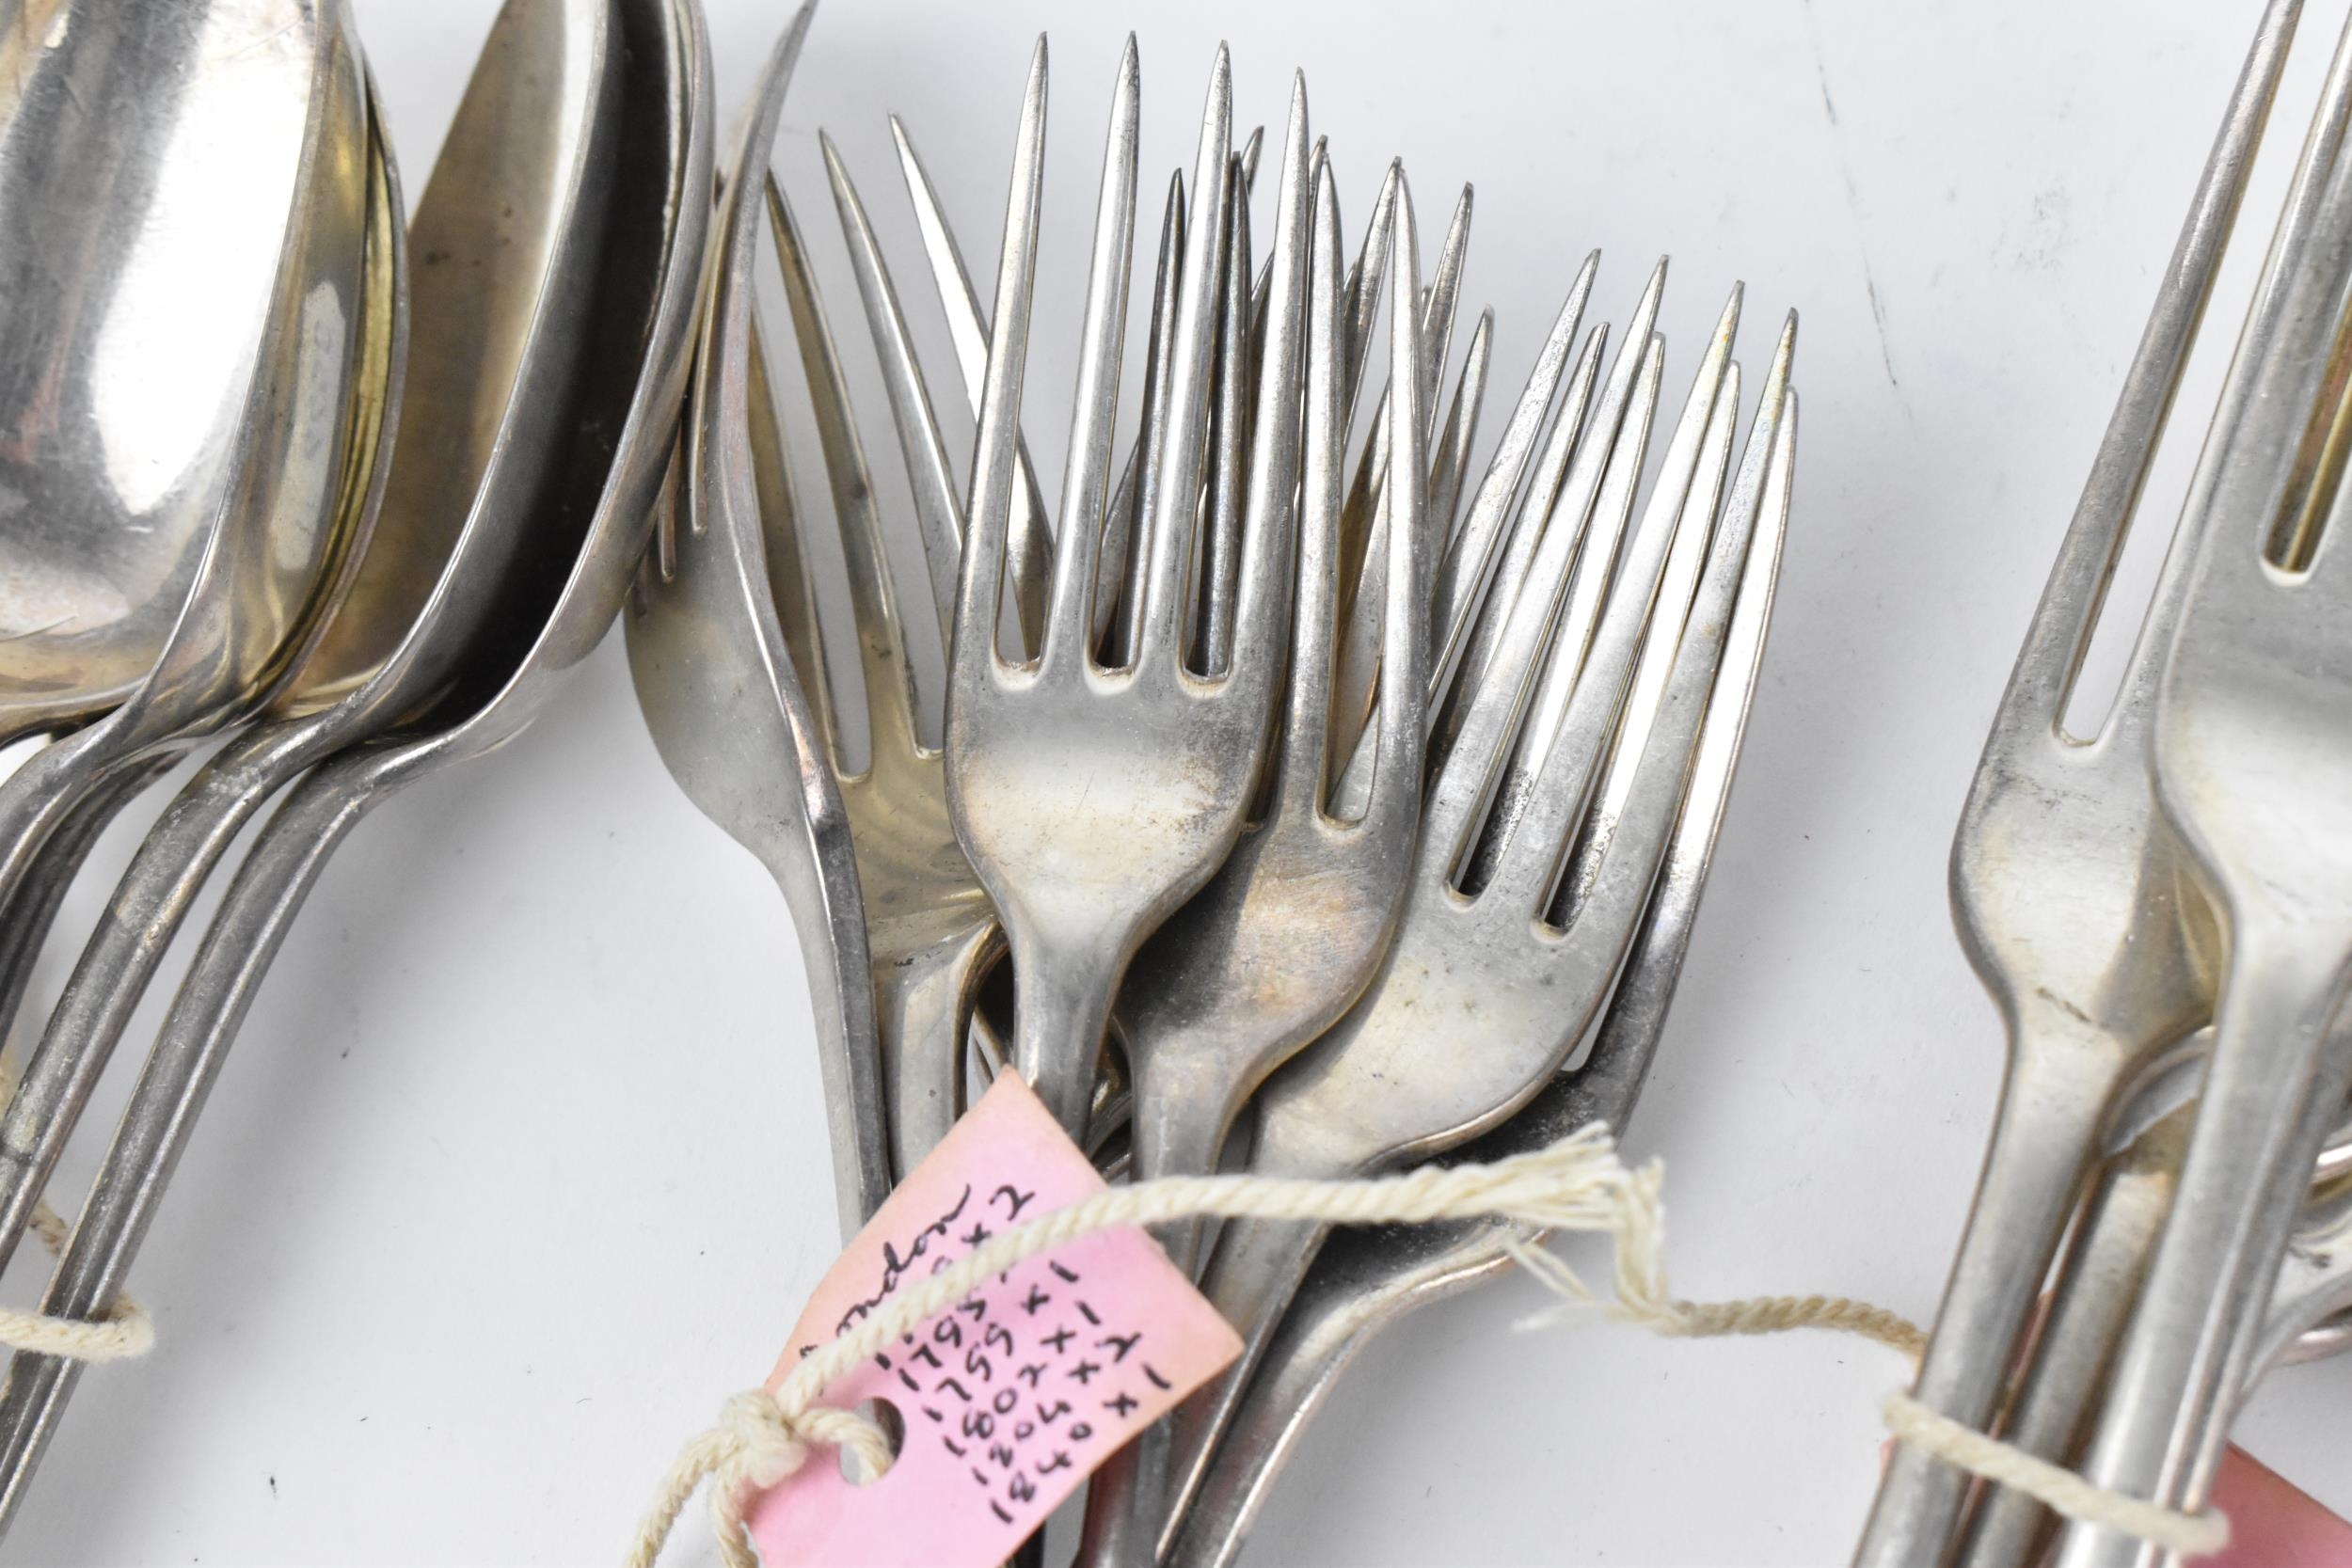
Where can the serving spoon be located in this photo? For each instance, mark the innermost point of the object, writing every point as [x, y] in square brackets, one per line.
[177, 534]
[510, 220]
[569, 570]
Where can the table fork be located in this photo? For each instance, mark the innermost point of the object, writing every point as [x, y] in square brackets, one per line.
[1091, 800]
[1505, 957]
[1364, 1280]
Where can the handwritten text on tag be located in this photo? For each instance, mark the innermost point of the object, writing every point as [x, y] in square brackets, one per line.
[1014, 1396]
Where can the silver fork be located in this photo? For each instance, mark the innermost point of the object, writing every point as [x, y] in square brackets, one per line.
[1273, 949]
[1364, 1280]
[1502, 955]
[2067, 887]
[1093, 802]
[2253, 758]
[931, 931]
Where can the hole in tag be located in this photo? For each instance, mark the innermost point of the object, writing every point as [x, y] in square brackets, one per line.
[885, 1415]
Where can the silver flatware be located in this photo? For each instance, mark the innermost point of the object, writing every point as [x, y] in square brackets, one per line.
[1517, 915]
[722, 689]
[1364, 1280]
[584, 541]
[2253, 746]
[1049, 761]
[2068, 890]
[177, 533]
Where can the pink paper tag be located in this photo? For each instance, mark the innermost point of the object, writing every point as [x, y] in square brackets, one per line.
[1010, 1399]
[2274, 1523]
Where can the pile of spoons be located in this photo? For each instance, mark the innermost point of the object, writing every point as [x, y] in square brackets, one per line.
[345, 503]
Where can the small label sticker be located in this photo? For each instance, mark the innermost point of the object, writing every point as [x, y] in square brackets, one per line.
[1013, 1397]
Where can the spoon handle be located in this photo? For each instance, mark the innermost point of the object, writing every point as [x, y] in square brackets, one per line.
[262, 902]
[128, 946]
[25, 923]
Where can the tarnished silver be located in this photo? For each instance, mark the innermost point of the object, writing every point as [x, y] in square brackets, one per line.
[1364, 1280]
[2097, 1279]
[1092, 801]
[1506, 919]
[580, 548]
[512, 217]
[1284, 937]
[2253, 752]
[2068, 890]
[176, 528]
[721, 688]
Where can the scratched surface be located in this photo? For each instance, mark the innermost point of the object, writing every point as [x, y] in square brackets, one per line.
[1010, 1398]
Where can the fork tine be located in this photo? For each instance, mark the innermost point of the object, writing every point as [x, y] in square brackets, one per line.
[2068, 613]
[873, 597]
[1530, 868]
[1496, 700]
[1068, 627]
[1119, 580]
[1364, 280]
[1248, 156]
[789, 583]
[1591, 587]
[1307, 720]
[938, 510]
[1166, 538]
[1229, 440]
[1470, 560]
[1656, 661]
[988, 515]
[1363, 521]
[1032, 544]
[1362, 526]
[1269, 555]
[1560, 501]
[1460, 430]
[1559, 673]
[1404, 671]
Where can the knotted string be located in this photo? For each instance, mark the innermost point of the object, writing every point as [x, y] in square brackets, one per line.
[1577, 1185]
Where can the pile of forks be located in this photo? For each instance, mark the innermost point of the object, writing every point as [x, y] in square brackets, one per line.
[2163, 911]
[1318, 785]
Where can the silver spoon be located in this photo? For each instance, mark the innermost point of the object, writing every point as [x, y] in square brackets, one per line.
[511, 217]
[181, 431]
[651, 142]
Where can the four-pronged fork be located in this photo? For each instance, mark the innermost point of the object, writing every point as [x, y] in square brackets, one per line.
[1093, 801]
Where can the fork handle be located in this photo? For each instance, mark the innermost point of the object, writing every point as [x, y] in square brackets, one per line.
[1062, 994]
[1353, 1293]
[2097, 1283]
[2045, 1136]
[2249, 1156]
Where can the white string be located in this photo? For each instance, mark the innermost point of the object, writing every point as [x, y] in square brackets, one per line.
[124, 1332]
[1578, 1184]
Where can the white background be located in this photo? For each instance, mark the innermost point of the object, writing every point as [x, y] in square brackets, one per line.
[519, 1167]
